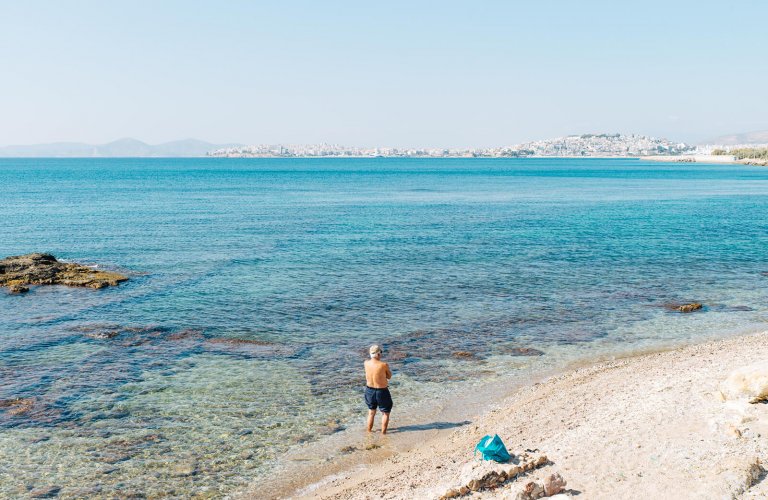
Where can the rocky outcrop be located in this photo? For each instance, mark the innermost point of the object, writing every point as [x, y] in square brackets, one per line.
[748, 382]
[45, 269]
[684, 308]
[483, 475]
[18, 289]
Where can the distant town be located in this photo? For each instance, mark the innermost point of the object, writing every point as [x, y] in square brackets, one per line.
[737, 146]
[574, 145]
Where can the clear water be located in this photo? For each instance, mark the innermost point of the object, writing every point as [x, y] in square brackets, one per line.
[316, 259]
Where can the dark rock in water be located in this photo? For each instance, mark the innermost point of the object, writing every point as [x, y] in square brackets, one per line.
[463, 355]
[687, 308]
[45, 492]
[19, 289]
[129, 335]
[103, 335]
[44, 269]
[248, 347]
[236, 341]
[395, 355]
[17, 406]
[187, 334]
[525, 351]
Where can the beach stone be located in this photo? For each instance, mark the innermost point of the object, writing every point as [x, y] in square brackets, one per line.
[514, 471]
[45, 269]
[748, 382]
[554, 484]
[18, 289]
[464, 490]
[475, 485]
[541, 461]
[452, 493]
[492, 479]
[534, 490]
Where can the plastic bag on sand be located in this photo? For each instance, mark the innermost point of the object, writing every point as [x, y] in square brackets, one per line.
[492, 448]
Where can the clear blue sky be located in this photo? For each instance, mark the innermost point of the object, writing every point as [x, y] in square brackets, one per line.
[408, 73]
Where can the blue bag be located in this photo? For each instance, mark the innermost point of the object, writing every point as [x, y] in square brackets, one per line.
[492, 448]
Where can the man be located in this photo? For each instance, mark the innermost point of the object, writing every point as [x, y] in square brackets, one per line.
[377, 395]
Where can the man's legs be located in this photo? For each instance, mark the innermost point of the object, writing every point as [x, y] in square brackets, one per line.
[371, 414]
[384, 422]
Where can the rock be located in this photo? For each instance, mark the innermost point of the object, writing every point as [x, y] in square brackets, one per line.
[541, 461]
[748, 382]
[103, 335]
[534, 490]
[463, 355]
[452, 493]
[514, 471]
[554, 484]
[685, 308]
[17, 406]
[18, 289]
[238, 341]
[45, 492]
[475, 485]
[45, 269]
[492, 479]
[525, 351]
[464, 490]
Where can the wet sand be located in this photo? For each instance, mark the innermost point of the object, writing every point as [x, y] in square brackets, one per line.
[646, 426]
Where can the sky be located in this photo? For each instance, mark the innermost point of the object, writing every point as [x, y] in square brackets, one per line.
[398, 73]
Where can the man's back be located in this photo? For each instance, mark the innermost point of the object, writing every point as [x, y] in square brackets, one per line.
[376, 373]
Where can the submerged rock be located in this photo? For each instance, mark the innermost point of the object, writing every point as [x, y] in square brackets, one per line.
[45, 492]
[45, 269]
[463, 355]
[684, 308]
[18, 289]
[17, 406]
[525, 351]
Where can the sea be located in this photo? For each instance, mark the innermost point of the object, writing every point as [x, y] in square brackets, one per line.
[257, 285]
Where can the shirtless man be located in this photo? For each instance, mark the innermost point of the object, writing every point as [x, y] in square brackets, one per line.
[377, 395]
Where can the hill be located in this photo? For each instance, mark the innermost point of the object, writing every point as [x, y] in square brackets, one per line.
[759, 137]
[126, 147]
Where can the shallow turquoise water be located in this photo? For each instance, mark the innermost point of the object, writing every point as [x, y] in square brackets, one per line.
[315, 260]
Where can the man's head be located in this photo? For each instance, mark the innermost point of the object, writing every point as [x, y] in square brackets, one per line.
[375, 351]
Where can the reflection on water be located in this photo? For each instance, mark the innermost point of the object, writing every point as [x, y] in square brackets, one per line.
[257, 286]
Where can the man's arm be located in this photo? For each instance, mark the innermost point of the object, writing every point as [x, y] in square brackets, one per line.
[389, 373]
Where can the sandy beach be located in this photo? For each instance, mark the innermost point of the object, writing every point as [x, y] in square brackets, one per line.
[647, 426]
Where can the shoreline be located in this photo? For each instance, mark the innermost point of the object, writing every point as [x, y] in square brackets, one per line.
[435, 461]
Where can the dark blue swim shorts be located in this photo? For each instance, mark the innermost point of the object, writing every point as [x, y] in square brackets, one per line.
[378, 398]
